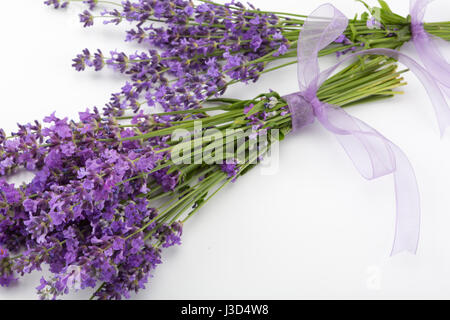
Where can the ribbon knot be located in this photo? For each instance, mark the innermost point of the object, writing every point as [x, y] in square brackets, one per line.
[301, 109]
[417, 30]
[304, 107]
[317, 106]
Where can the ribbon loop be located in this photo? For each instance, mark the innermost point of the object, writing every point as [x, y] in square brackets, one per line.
[301, 111]
[317, 33]
[372, 154]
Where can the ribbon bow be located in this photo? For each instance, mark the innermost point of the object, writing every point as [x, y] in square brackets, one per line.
[373, 155]
[433, 60]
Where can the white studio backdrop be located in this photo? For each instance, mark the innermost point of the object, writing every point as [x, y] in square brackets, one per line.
[315, 229]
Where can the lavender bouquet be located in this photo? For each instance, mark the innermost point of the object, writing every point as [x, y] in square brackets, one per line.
[112, 190]
[109, 195]
[198, 49]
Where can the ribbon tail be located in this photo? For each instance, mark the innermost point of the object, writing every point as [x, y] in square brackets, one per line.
[407, 228]
[375, 156]
[439, 69]
[444, 115]
[436, 80]
[432, 58]
[434, 61]
[427, 44]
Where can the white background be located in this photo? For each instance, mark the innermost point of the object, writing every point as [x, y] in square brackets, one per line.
[316, 229]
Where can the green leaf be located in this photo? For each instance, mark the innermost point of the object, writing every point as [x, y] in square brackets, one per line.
[376, 12]
[354, 32]
[239, 105]
[365, 16]
[385, 6]
[285, 131]
[239, 122]
[200, 201]
[256, 108]
[365, 4]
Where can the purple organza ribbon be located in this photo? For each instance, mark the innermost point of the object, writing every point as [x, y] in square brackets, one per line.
[373, 155]
[433, 60]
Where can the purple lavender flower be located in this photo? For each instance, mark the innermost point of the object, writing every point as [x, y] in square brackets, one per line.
[91, 3]
[281, 51]
[86, 18]
[171, 235]
[112, 13]
[56, 3]
[248, 108]
[244, 37]
[99, 61]
[343, 40]
[230, 167]
[373, 23]
[82, 212]
[30, 205]
[82, 60]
